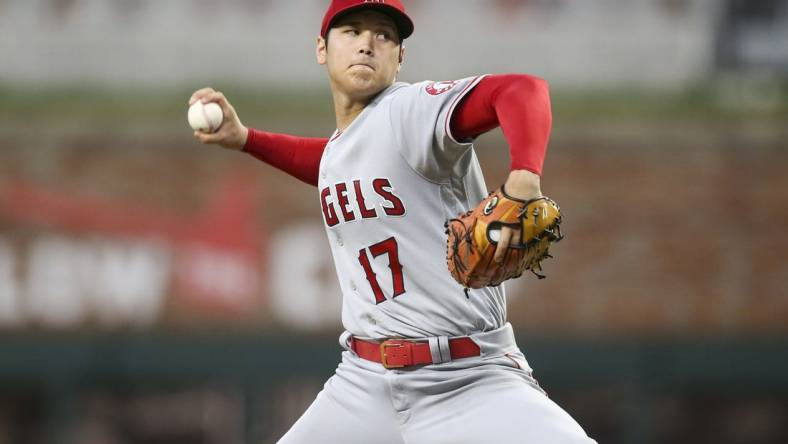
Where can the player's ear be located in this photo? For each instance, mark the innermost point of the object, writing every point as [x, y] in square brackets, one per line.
[401, 57]
[320, 51]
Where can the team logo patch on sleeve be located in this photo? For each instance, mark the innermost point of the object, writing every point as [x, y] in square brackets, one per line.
[436, 88]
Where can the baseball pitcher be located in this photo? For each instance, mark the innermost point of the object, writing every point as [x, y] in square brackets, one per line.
[421, 250]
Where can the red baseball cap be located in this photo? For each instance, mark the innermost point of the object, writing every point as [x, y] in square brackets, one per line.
[393, 8]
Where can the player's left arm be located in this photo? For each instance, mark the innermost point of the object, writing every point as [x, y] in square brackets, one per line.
[520, 105]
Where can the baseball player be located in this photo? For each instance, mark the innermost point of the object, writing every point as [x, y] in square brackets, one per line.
[426, 360]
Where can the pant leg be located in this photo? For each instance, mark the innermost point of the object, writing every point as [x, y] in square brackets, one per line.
[354, 407]
[495, 402]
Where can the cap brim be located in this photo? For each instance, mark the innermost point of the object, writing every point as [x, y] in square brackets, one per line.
[403, 22]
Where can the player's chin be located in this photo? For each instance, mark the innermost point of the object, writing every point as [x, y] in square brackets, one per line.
[366, 85]
[361, 77]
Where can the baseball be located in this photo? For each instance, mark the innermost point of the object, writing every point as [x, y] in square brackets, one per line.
[205, 117]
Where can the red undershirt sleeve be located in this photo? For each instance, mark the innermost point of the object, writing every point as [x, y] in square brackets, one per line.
[520, 105]
[297, 156]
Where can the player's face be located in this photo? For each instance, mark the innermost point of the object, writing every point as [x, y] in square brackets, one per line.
[362, 55]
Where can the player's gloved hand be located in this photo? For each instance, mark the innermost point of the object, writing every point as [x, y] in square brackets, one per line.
[232, 133]
[524, 185]
[474, 238]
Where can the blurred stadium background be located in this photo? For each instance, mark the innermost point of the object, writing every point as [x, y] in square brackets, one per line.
[154, 290]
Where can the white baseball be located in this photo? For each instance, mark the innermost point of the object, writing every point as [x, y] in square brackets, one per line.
[205, 117]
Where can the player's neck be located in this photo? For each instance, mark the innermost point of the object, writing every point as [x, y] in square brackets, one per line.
[347, 107]
[346, 110]
[345, 115]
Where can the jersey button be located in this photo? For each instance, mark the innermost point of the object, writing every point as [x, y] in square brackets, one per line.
[353, 286]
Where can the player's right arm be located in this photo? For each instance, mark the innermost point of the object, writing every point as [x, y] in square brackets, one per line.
[297, 156]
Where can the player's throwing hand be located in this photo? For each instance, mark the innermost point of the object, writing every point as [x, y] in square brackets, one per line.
[232, 133]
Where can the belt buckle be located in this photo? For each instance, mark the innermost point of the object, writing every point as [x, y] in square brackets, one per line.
[388, 344]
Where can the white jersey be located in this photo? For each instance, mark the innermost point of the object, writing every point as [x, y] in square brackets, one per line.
[387, 185]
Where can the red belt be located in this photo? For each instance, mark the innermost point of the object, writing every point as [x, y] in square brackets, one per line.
[398, 353]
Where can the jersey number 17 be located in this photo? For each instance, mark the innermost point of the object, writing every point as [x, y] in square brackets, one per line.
[388, 247]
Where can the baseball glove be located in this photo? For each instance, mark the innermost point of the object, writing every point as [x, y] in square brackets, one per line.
[473, 238]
